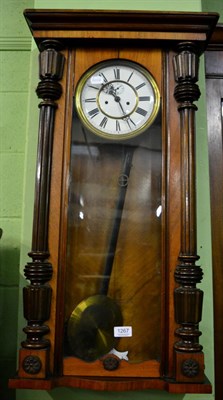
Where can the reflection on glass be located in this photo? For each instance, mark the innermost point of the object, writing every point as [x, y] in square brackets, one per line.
[114, 242]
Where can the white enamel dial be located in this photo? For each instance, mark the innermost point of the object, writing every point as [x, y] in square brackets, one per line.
[117, 99]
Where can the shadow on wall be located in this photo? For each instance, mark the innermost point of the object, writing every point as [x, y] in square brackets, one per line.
[80, 394]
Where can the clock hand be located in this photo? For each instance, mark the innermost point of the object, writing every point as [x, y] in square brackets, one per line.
[118, 100]
[112, 92]
[127, 118]
[117, 88]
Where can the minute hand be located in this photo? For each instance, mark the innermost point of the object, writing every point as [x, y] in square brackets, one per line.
[120, 105]
[127, 119]
[118, 100]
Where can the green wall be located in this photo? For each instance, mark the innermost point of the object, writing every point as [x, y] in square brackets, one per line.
[213, 5]
[15, 45]
[18, 125]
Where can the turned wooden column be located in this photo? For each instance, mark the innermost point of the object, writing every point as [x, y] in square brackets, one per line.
[37, 295]
[187, 297]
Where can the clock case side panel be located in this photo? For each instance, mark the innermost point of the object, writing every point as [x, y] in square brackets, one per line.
[34, 356]
[60, 186]
[172, 208]
[57, 207]
[187, 365]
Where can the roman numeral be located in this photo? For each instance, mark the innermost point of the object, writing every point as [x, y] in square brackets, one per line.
[141, 111]
[117, 73]
[104, 77]
[90, 100]
[130, 76]
[93, 112]
[103, 122]
[140, 86]
[118, 128]
[144, 98]
[93, 87]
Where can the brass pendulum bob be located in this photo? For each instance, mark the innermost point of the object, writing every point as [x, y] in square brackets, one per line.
[90, 329]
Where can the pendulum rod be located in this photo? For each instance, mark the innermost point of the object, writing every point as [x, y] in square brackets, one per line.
[123, 184]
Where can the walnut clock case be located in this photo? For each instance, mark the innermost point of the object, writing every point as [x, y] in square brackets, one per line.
[112, 302]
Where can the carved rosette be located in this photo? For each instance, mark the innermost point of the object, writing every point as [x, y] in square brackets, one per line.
[190, 368]
[37, 295]
[111, 362]
[32, 365]
[187, 297]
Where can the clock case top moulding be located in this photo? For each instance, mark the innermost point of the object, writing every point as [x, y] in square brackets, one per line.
[182, 38]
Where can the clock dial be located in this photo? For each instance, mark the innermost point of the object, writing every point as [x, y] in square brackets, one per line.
[117, 99]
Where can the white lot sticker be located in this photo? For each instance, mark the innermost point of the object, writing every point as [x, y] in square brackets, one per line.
[122, 331]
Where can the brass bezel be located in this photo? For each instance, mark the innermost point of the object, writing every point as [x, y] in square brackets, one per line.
[115, 62]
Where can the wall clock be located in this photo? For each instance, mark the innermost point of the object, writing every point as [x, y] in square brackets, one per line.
[117, 99]
[112, 301]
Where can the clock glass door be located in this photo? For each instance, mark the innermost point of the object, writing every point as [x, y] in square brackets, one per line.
[113, 289]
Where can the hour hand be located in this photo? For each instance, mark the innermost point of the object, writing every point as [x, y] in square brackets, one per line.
[109, 89]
